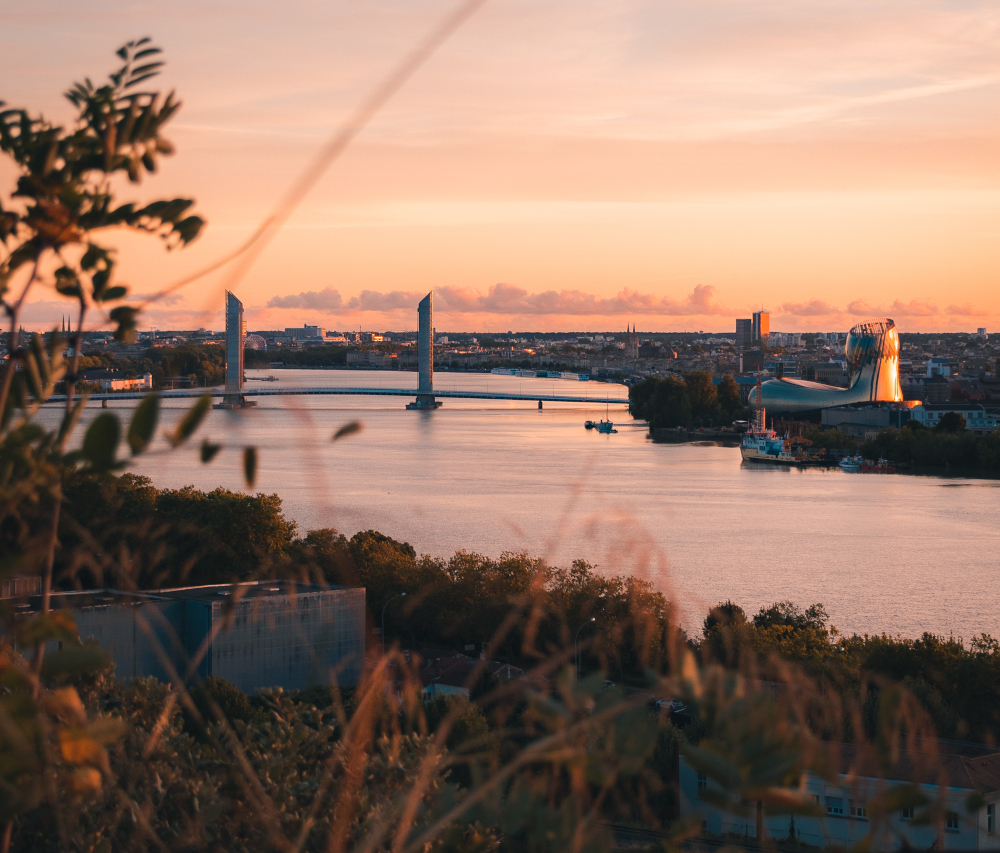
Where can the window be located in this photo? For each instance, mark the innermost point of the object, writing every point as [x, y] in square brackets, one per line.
[991, 818]
[702, 783]
[834, 805]
[907, 813]
[859, 809]
[951, 821]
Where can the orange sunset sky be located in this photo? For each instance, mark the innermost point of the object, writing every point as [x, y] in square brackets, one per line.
[564, 164]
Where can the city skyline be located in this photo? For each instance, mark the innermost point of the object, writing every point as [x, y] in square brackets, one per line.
[570, 167]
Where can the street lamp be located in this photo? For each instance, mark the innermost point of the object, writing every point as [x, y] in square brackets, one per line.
[384, 606]
[576, 642]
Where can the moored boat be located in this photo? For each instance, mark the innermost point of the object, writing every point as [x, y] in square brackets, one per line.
[851, 464]
[880, 467]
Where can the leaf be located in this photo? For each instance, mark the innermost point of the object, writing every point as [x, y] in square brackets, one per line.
[78, 747]
[191, 420]
[208, 450]
[112, 293]
[348, 429]
[143, 425]
[250, 465]
[100, 442]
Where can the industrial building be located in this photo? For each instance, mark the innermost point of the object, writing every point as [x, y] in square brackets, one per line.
[263, 634]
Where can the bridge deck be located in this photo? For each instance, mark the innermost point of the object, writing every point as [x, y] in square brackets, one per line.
[360, 392]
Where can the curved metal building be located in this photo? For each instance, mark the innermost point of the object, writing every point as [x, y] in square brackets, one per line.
[873, 362]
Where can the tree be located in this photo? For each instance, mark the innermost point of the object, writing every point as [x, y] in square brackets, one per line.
[729, 397]
[702, 393]
[951, 422]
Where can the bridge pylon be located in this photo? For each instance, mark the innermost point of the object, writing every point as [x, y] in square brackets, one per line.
[425, 356]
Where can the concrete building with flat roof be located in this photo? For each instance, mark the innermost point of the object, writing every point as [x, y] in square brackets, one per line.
[262, 634]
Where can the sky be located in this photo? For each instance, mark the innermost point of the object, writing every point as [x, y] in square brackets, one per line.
[563, 165]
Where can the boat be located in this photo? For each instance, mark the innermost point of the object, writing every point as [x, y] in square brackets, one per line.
[880, 467]
[760, 444]
[851, 464]
[605, 426]
[589, 424]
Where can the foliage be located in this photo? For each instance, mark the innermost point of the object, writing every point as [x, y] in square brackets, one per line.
[956, 684]
[937, 448]
[64, 191]
[831, 439]
[308, 356]
[673, 401]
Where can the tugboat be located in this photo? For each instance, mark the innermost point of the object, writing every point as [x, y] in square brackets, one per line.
[589, 424]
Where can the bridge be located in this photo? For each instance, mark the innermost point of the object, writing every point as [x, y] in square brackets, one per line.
[187, 393]
[235, 392]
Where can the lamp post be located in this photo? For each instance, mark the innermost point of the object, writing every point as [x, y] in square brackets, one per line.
[576, 642]
[384, 606]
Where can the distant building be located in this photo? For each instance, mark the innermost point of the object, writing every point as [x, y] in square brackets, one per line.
[939, 367]
[631, 343]
[761, 326]
[751, 362]
[981, 333]
[305, 333]
[451, 676]
[143, 383]
[261, 634]
[929, 389]
[958, 773]
[744, 333]
[979, 419]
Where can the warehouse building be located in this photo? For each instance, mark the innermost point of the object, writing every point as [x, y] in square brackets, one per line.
[264, 634]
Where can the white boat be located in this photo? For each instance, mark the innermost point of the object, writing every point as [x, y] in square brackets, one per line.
[851, 464]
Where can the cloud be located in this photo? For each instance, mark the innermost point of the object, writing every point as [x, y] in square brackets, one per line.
[326, 299]
[967, 310]
[164, 301]
[508, 299]
[913, 308]
[812, 308]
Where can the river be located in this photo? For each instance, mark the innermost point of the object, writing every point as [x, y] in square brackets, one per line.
[900, 554]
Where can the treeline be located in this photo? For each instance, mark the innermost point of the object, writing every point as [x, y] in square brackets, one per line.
[186, 537]
[958, 685]
[693, 400]
[317, 356]
[949, 444]
[917, 445]
[172, 537]
[203, 365]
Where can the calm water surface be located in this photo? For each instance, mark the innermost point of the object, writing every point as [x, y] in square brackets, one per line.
[901, 554]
